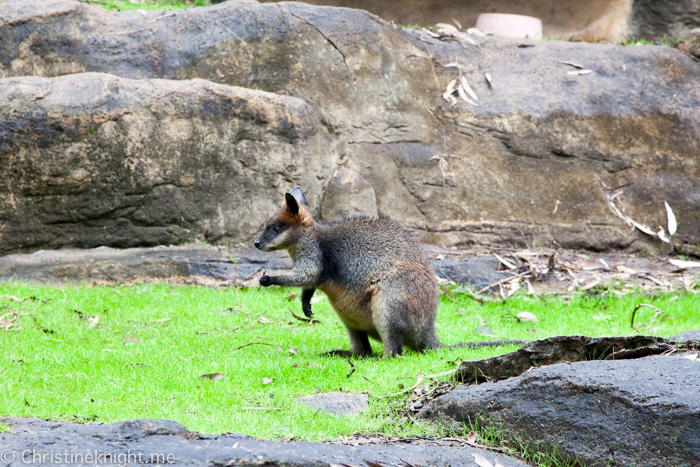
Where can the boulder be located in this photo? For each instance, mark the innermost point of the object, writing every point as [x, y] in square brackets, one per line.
[643, 412]
[164, 442]
[93, 159]
[533, 164]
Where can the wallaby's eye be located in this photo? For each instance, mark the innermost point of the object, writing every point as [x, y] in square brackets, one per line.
[276, 228]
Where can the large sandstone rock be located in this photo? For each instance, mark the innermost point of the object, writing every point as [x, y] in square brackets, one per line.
[93, 159]
[348, 195]
[528, 157]
[643, 412]
[612, 21]
[664, 18]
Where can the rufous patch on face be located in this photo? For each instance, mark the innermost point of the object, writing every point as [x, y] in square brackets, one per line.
[286, 216]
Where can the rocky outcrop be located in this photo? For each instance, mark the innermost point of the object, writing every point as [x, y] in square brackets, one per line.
[164, 442]
[93, 159]
[643, 412]
[612, 21]
[690, 43]
[521, 168]
[664, 18]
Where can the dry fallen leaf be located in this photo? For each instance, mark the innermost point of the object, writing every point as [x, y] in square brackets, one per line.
[579, 72]
[488, 80]
[672, 224]
[662, 235]
[266, 381]
[467, 88]
[684, 264]
[527, 316]
[575, 65]
[476, 32]
[294, 351]
[8, 323]
[472, 437]
[449, 91]
[505, 262]
[130, 340]
[213, 376]
[481, 461]
[93, 320]
[463, 95]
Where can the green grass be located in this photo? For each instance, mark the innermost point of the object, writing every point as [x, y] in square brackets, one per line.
[162, 5]
[59, 367]
[5, 428]
[669, 41]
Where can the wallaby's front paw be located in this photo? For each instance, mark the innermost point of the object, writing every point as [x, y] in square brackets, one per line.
[265, 280]
[306, 308]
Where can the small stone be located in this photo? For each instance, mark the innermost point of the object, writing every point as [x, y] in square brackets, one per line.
[336, 403]
[484, 330]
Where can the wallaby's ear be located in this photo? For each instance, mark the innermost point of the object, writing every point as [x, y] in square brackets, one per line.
[292, 204]
[298, 194]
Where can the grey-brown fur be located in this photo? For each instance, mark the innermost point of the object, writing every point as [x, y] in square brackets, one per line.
[376, 276]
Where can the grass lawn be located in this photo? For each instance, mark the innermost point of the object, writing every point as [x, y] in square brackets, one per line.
[144, 356]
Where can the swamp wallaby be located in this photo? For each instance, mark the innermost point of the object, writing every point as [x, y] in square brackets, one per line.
[376, 276]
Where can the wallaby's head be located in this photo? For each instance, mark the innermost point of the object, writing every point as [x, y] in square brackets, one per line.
[283, 229]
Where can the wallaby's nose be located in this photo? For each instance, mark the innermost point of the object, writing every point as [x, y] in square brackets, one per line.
[257, 244]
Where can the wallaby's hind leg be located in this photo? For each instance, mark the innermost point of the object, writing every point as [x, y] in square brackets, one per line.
[359, 345]
[403, 312]
[388, 319]
[359, 342]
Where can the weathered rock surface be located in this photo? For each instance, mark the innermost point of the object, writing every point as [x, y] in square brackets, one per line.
[686, 337]
[170, 443]
[348, 195]
[336, 403]
[93, 159]
[690, 43]
[560, 349]
[610, 21]
[664, 18]
[537, 140]
[643, 412]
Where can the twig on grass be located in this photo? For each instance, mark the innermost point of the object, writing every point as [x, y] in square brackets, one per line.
[306, 320]
[503, 281]
[252, 343]
[420, 380]
[657, 312]
[352, 368]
